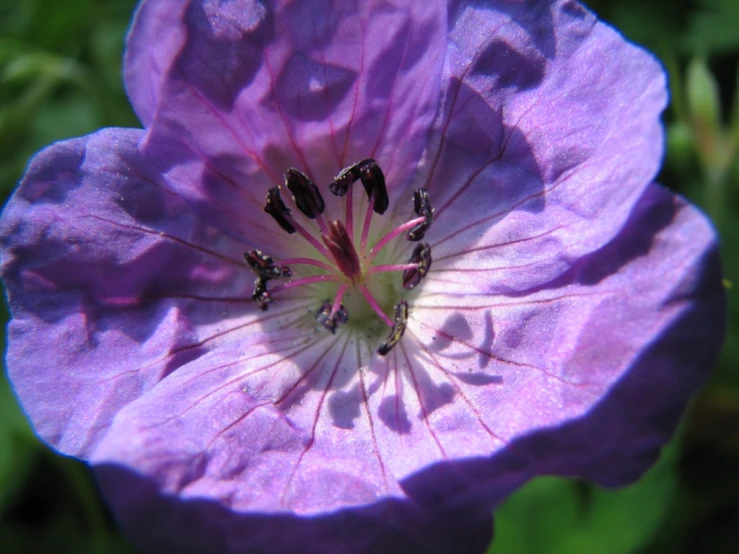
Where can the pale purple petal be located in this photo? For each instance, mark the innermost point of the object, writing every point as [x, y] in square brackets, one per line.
[108, 276]
[571, 308]
[549, 133]
[301, 428]
[154, 40]
[258, 88]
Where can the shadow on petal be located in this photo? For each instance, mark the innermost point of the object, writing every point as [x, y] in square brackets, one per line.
[224, 47]
[159, 523]
[392, 413]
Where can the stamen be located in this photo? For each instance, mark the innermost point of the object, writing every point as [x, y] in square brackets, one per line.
[264, 266]
[392, 234]
[329, 319]
[396, 333]
[374, 305]
[304, 281]
[330, 315]
[261, 295]
[309, 261]
[338, 242]
[337, 305]
[422, 258]
[306, 195]
[422, 207]
[372, 179]
[277, 209]
[374, 185]
[281, 214]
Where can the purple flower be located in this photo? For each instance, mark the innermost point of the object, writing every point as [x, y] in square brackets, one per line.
[366, 271]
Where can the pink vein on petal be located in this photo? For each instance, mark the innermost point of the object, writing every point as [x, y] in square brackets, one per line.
[298, 151]
[455, 384]
[292, 352]
[416, 388]
[317, 414]
[226, 126]
[495, 358]
[365, 403]
[342, 157]
[170, 237]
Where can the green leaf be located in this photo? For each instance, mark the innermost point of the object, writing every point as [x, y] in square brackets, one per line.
[17, 443]
[713, 27]
[704, 103]
[553, 516]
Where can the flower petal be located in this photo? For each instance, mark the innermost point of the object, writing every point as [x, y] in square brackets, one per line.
[274, 442]
[548, 136]
[257, 88]
[112, 284]
[153, 40]
[469, 405]
[616, 347]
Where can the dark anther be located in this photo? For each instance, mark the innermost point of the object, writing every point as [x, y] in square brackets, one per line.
[264, 266]
[374, 184]
[340, 185]
[330, 321]
[396, 333]
[421, 256]
[422, 207]
[340, 244]
[261, 295]
[305, 193]
[372, 178]
[277, 209]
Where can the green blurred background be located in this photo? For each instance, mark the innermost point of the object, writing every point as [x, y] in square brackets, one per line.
[60, 76]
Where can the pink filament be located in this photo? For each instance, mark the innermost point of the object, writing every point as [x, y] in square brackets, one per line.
[349, 215]
[307, 236]
[365, 228]
[373, 304]
[304, 281]
[339, 295]
[391, 267]
[307, 261]
[392, 234]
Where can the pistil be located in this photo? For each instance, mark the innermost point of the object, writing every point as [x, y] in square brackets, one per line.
[341, 247]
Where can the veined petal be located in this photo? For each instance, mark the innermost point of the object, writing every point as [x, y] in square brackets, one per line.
[616, 344]
[548, 135]
[274, 437]
[153, 41]
[256, 88]
[567, 309]
[112, 284]
[318, 425]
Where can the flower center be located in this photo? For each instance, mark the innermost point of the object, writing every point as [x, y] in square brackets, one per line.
[360, 286]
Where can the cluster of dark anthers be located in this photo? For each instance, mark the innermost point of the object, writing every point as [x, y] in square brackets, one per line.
[337, 245]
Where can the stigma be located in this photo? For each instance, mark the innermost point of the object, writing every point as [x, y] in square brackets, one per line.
[338, 257]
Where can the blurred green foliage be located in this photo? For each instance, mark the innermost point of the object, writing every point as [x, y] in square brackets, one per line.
[60, 76]
[553, 516]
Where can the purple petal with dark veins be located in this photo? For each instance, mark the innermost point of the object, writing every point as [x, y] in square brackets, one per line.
[549, 132]
[331, 85]
[558, 372]
[571, 309]
[110, 276]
